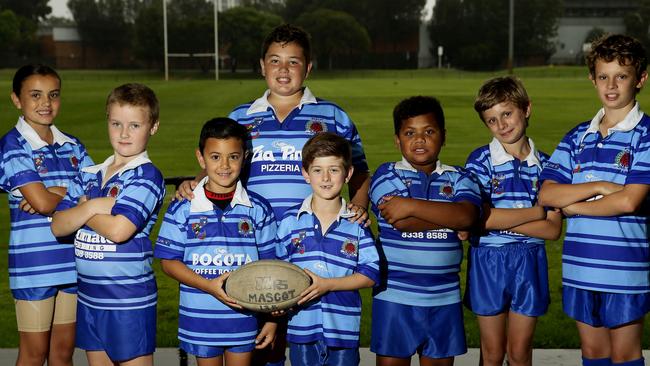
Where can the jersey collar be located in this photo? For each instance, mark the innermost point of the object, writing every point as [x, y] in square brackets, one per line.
[440, 167]
[141, 159]
[499, 155]
[262, 103]
[201, 203]
[628, 123]
[35, 140]
[306, 208]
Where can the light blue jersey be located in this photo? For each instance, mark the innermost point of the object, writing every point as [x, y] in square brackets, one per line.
[608, 254]
[506, 182]
[118, 276]
[423, 266]
[276, 151]
[36, 258]
[345, 249]
[211, 242]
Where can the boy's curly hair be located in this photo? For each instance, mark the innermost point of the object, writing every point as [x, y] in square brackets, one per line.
[624, 49]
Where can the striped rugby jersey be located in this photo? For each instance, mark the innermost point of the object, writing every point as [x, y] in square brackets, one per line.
[608, 254]
[506, 182]
[118, 276]
[210, 242]
[423, 266]
[276, 151]
[345, 249]
[36, 258]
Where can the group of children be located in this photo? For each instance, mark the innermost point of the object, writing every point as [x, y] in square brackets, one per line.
[270, 187]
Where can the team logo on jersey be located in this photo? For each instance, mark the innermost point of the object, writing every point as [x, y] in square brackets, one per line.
[74, 161]
[497, 183]
[197, 229]
[315, 126]
[623, 159]
[446, 190]
[113, 190]
[245, 227]
[252, 127]
[298, 242]
[39, 162]
[350, 248]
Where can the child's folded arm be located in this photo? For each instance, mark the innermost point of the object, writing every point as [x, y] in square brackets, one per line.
[413, 224]
[66, 222]
[41, 199]
[461, 215]
[507, 218]
[559, 195]
[117, 229]
[624, 202]
[549, 228]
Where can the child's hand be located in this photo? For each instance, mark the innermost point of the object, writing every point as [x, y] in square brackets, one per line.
[26, 207]
[266, 336]
[319, 287]
[219, 293]
[463, 235]
[607, 188]
[394, 208]
[361, 216]
[279, 313]
[185, 189]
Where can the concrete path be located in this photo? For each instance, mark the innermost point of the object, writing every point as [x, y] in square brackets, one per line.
[169, 357]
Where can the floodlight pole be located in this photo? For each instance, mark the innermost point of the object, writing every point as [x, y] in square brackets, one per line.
[216, 40]
[511, 35]
[165, 40]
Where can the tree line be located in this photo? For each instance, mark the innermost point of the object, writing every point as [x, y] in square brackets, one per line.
[345, 34]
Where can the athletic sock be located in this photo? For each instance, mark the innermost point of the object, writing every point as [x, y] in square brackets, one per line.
[597, 362]
[638, 362]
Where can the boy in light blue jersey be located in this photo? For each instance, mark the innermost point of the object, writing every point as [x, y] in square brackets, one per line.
[201, 241]
[600, 177]
[507, 276]
[112, 208]
[338, 255]
[38, 163]
[419, 203]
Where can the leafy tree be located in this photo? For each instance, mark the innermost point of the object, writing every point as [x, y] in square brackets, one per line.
[637, 23]
[474, 33]
[334, 33]
[9, 30]
[33, 10]
[27, 13]
[105, 24]
[148, 33]
[242, 31]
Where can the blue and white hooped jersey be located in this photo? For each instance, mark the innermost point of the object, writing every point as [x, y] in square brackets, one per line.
[608, 254]
[422, 266]
[118, 276]
[36, 257]
[506, 182]
[345, 249]
[276, 151]
[211, 242]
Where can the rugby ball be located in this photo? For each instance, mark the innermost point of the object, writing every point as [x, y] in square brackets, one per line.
[267, 285]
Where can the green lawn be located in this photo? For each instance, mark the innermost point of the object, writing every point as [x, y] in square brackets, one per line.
[561, 96]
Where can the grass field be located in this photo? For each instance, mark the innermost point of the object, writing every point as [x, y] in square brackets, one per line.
[562, 97]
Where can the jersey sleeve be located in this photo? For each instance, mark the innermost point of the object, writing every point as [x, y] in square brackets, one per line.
[385, 183]
[18, 164]
[639, 172]
[346, 128]
[265, 232]
[368, 262]
[467, 188]
[83, 157]
[138, 199]
[170, 243]
[477, 165]
[283, 239]
[72, 194]
[559, 167]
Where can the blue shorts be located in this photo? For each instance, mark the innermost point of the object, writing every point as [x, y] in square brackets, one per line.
[42, 293]
[319, 354]
[512, 277]
[122, 334]
[200, 350]
[400, 330]
[603, 309]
